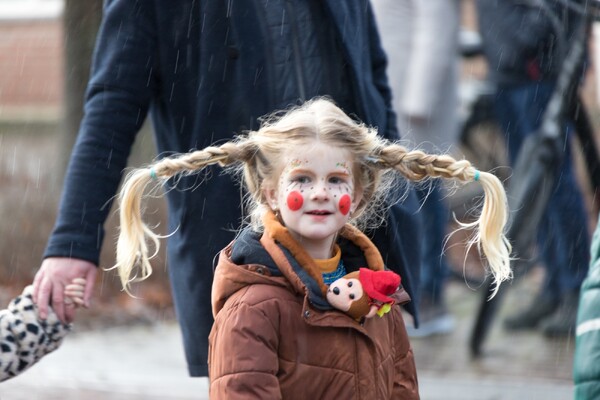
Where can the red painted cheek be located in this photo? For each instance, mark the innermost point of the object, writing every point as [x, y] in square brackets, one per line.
[294, 201]
[344, 204]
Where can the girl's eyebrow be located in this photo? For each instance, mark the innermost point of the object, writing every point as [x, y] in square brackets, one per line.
[340, 173]
[300, 171]
[343, 172]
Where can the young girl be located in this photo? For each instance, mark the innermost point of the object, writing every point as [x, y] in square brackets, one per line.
[25, 337]
[312, 176]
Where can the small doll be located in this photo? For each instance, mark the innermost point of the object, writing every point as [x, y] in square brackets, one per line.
[364, 293]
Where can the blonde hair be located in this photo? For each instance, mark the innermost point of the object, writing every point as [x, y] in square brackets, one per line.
[258, 154]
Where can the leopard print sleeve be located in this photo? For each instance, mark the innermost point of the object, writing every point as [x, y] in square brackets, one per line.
[24, 337]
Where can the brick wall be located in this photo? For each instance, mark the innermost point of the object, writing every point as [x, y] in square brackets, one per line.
[31, 64]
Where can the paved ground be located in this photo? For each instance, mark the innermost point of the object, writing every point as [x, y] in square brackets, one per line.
[514, 366]
[146, 362]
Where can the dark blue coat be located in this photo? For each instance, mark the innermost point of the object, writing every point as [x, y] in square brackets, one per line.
[203, 69]
[524, 41]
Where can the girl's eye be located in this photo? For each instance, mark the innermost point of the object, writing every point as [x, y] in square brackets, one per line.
[336, 180]
[301, 179]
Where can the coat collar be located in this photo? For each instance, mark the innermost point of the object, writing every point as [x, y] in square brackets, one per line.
[275, 258]
[299, 267]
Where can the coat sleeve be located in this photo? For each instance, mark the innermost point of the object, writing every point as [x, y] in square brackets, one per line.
[243, 360]
[405, 381]
[433, 55]
[586, 367]
[117, 99]
[24, 338]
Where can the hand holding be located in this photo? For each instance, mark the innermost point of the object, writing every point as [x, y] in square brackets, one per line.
[50, 282]
[74, 293]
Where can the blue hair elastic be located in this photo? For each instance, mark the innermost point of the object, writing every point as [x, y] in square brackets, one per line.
[476, 178]
[372, 160]
[153, 174]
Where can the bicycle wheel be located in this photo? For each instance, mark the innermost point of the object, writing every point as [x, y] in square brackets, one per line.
[529, 192]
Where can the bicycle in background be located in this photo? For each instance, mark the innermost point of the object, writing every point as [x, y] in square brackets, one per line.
[535, 172]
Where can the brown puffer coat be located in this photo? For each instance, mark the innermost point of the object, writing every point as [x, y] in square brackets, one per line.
[276, 337]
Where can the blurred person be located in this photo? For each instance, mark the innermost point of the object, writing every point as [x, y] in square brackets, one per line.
[313, 177]
[25, 337]
[521, 47]
[421, 41]
[586, 367]
[203, 71]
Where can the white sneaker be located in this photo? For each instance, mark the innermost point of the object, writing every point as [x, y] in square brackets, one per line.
[434, 319]
[441, 325]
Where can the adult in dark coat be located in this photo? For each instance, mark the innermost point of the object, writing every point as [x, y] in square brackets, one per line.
[206, 70]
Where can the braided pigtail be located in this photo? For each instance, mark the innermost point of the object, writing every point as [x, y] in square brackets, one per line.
[490, 227]
[136, 238]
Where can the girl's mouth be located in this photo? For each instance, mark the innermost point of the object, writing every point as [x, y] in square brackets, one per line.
[319, 212]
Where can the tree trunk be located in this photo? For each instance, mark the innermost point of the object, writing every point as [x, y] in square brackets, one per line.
[81, 20]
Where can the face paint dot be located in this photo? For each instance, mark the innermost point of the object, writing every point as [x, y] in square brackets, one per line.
[344, 204]
[294, 201]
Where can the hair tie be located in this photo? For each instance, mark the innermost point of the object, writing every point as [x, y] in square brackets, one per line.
[153, 174]
[476, 178]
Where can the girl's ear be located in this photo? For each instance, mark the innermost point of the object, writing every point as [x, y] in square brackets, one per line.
[271, 196]
[358, 195]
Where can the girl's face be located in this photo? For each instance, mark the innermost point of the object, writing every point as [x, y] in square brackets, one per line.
[315, 194]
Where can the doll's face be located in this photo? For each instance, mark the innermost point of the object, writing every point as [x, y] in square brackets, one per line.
[315, 194]
[344, 292]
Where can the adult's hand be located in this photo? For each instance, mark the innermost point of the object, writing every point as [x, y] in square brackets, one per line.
[50, 281]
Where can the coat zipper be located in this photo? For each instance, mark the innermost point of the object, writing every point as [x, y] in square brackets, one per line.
[296, 49]
[357, 95]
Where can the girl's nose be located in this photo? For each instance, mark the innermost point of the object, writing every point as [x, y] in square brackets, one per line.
[320, 191]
